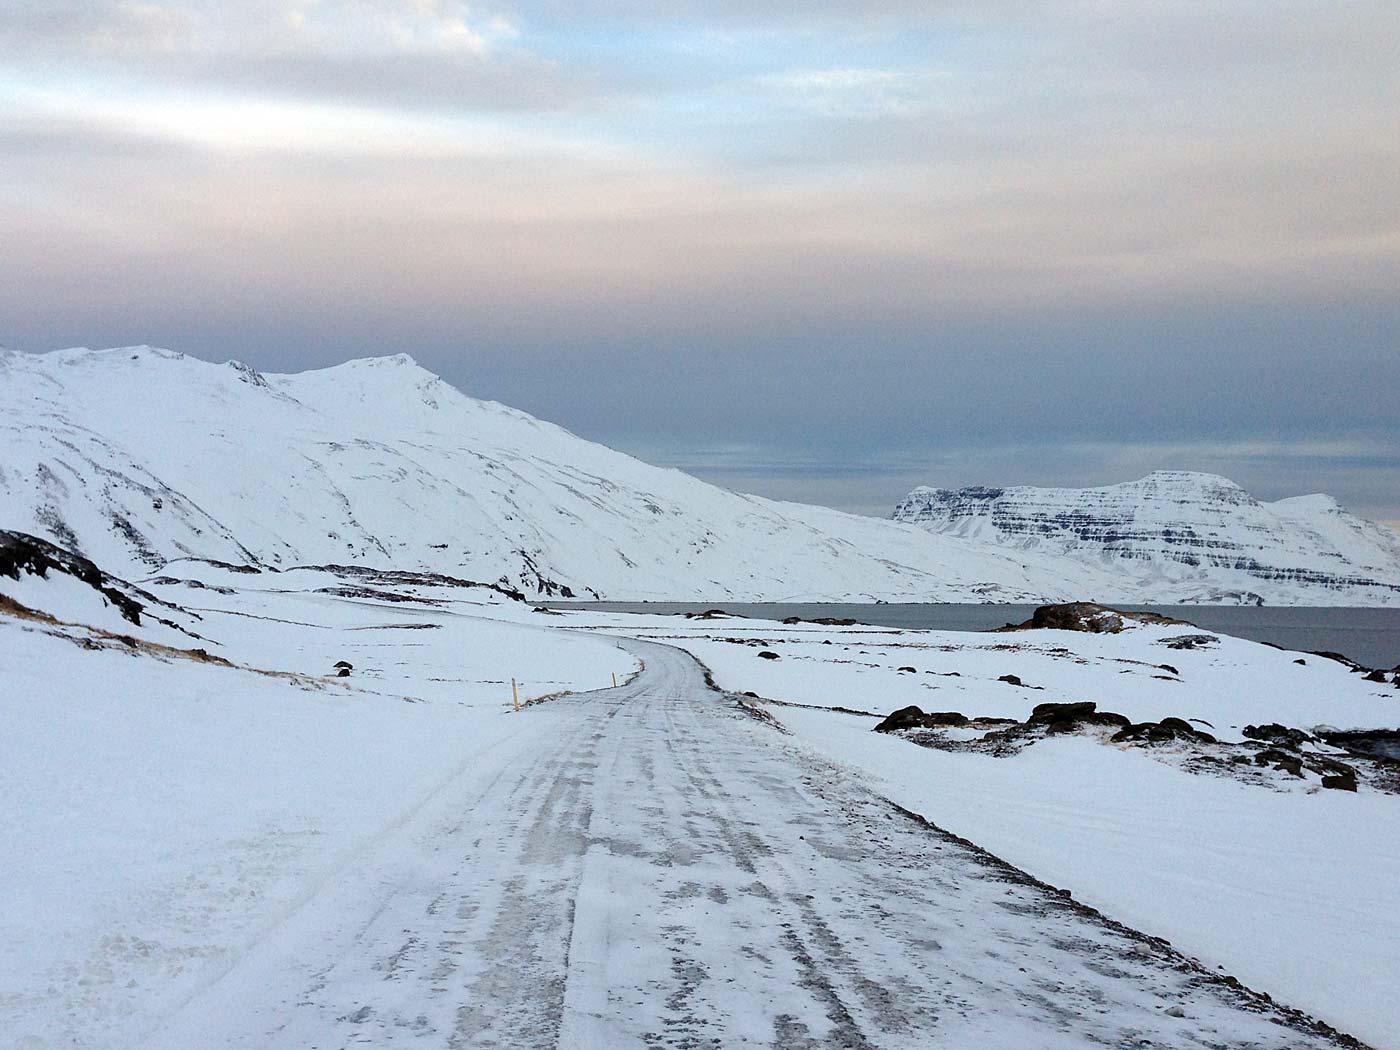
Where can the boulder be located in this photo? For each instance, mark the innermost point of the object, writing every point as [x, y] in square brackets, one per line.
[1189, 641]
[915, 718]
[946, 718]
[1066, 718]
[1010, 679]
[1181, 727]
[768, 654]
[1279, 735]
[1165, 731]
[1281, 761]
[905, 718]
[1042, 713]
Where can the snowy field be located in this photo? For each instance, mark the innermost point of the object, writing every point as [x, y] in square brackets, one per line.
[1293, 889]
[190, 799]
[164, 813]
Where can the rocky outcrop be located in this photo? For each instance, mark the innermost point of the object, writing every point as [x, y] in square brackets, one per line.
[24, 554]
[1085, 616]
[915, 718]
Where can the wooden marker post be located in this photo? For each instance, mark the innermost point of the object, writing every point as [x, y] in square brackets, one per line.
[514, 694]
[614, 679]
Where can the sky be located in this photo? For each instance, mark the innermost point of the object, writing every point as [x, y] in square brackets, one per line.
[819, 256]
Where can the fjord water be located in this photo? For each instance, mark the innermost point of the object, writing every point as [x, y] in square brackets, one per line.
[1368, 636]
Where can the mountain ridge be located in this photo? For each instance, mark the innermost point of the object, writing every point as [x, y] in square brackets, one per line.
[1175, 525]
[135, 456]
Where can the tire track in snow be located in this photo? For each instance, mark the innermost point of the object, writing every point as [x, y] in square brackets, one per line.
[658, 869]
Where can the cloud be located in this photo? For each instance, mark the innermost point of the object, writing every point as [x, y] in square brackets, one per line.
[845, 241]
[164, 27]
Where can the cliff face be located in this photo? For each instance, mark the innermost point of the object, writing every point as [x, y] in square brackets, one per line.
[1200, 535]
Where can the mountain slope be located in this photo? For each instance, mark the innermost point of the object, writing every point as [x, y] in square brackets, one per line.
[136, 456]
[1199, 536]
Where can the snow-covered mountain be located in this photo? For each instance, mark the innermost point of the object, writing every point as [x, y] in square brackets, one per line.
[1199, 537]
[137, 456]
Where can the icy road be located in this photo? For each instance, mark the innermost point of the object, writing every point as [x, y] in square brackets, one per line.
[652, 866]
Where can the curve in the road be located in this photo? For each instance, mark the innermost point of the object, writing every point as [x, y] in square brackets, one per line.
[657, 868]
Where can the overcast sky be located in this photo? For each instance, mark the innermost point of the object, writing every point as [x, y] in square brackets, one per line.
[823, 257]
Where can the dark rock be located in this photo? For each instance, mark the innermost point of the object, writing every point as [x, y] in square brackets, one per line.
[915, 718]
[1149, 732]
[1189, 641]
[908, 670]
[946, 718]
[1143, 732]
[1326, 765]
[1280, 735]
[905, 718]
[1340, 783]
[1075, 616]
[768, 654]
[1010, 679]
[344, 663]
[1169, 667]
[1279, 760]
[21, 552]
[1376, 676]
[1066, 718]
[1084, 616]
[1301, 661]
[1042, 713]
[344, 672]
[1181, 727]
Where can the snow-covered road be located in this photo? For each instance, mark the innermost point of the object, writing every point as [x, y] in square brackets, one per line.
[651, 866]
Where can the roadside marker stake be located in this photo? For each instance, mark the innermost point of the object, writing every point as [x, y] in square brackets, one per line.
[514, 695]
[614, 679]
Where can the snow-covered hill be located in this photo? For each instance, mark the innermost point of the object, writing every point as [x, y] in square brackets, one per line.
[137, 456]
[1198, 537]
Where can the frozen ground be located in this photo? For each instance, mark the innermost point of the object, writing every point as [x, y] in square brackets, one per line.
[659, 869]
[1294, 889]
[163, 813]
[229, 848]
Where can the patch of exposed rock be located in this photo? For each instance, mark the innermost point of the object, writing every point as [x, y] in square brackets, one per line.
[1271, 754]
[21, 553]
[1086, 616]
